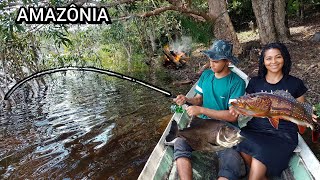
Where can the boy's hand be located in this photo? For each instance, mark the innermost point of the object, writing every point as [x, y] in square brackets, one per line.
[194, 110]
[180, 99]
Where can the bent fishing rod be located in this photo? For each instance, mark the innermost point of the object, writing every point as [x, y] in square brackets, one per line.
[90, 69]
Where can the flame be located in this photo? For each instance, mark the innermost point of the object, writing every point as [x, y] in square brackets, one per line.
[175, 56]
[178, 56]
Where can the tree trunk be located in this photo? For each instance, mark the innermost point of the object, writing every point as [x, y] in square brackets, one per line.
[152, 39]
[271, 20]
[4, 68]
[300, 10]
[127, 47]
[1, 94]
[223, 27]
[280, 21]
[263, 12]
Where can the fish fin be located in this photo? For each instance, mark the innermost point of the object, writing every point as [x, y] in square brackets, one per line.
[173, 131]
[315, 136]
[307, 107]
[285, 94]
[302, 129]
[274, 122]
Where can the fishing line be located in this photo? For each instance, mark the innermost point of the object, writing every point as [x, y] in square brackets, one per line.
[91, 69]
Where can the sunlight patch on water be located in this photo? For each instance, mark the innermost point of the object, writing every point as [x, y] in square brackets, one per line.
[102, 138]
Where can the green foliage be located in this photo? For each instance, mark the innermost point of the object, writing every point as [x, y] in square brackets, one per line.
[117, 41]
[200, 32]
[80, 47]
[8, 27]
[110, 57]
[20, 42]
[121, 32]
[317, 109]
[58, 34]
[293, 6]
[138, 63]
[57, 2]
[113, 57]
[241, 12]
[18, 47]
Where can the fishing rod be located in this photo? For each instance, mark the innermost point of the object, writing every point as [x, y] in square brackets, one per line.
[90, 69]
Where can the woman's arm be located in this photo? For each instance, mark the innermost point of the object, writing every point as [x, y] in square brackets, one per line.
[301, 98]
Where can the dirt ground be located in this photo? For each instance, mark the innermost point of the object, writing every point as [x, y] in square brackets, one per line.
[305, 55]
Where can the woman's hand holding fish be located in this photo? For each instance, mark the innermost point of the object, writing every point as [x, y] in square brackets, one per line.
[180, 99]
[194, 110]
[315, 117]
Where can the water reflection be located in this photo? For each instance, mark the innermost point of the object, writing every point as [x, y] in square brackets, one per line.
[80, 126]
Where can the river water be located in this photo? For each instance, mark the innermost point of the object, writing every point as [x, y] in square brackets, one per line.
[82, 126]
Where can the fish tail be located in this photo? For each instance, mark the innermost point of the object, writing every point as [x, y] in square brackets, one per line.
[173, 131]
[302, 129]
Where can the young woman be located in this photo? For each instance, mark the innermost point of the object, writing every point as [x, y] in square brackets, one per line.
[267, 150]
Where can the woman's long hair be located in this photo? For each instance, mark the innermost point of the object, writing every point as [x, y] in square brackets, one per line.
[285, 54]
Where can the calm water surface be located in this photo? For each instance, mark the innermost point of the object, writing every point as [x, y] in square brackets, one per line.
[83, 126]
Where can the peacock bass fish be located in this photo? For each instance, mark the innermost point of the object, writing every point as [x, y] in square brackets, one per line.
[278, 105]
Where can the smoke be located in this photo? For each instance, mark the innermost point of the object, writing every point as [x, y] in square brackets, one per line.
[181, 45]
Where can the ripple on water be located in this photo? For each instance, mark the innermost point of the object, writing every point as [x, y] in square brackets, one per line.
[40, 135]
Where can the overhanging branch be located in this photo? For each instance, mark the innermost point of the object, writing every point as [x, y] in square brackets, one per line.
[176, 8]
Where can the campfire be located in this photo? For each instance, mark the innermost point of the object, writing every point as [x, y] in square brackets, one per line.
[174, 58]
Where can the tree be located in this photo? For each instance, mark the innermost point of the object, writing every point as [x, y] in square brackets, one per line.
[223, 27]
[214, 11]
[271, 20]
